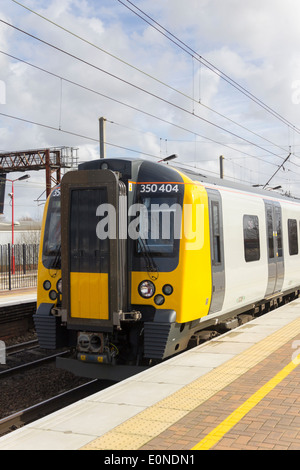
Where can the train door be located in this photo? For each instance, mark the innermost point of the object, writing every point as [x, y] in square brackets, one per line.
[94, 269]
[217, 250]
[275, 248]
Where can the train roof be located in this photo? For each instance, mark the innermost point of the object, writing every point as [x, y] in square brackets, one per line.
[194, 175]
[219, 182]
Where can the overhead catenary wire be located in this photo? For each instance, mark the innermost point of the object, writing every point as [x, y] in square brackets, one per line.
[153, 95]
[184, 164]
[108, 143]
[101, 49]
[246, 141]
[92, 139]
[143, 72]
[134, 108]
[179, 43]
[215, 69]
[61, 78]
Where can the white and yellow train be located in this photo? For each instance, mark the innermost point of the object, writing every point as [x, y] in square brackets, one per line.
[137, 258]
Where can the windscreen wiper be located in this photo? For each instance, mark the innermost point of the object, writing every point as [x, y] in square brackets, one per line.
[151, 266]
[57, 260]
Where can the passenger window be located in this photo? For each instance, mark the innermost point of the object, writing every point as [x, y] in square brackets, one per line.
[270, 231]
[251, 238]
[216, 249]
[278, 231]
[293, 236]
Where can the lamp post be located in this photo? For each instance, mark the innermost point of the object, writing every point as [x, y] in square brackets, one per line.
[25, 177]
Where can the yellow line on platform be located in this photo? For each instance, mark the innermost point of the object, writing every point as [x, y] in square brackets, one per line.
[216, 435]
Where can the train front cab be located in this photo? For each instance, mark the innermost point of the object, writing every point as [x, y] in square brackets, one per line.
[106, 304]
[181, 267]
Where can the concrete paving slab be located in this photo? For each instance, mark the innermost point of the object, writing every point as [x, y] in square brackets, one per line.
[36, 439]
[88, 417]
[204, 359]
[174, 375]
[136, 394]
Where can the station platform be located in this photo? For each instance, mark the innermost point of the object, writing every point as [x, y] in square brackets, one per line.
[240, 391]
[18, 296]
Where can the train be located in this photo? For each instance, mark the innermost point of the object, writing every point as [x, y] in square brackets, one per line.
[139, 259]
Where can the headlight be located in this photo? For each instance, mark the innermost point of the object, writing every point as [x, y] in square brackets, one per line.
[59, 286]
[159, 299]
[167, 289]
[52, 295]
[146, 289]
[47, 285]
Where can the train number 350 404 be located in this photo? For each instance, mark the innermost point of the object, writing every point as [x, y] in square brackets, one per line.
[162, 188]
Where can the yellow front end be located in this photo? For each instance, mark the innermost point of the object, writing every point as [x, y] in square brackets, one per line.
[47, 277]
[192, 279]
[89, 295]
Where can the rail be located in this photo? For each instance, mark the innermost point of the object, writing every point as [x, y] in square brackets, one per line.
[32, 344]
[28, 415]
[32, 364]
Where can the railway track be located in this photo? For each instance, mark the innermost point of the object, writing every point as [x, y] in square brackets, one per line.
[31, 385]
[39, 410]
[34, 389]
[32, 344]
[30, 365]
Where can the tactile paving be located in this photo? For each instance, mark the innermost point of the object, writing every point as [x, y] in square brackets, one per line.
[134, 433]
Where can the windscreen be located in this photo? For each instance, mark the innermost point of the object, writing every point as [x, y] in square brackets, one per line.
[52, 235]
[160, 222]
[88, 253]
[159, 192]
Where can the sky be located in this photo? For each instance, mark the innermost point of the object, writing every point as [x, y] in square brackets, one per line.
[199, 78]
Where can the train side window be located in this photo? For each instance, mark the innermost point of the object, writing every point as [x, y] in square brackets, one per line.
[278, 231]
[251, 238]
[270, 232]
[293, 236]
[216, 249]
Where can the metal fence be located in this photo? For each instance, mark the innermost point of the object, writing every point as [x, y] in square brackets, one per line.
[18, 266]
